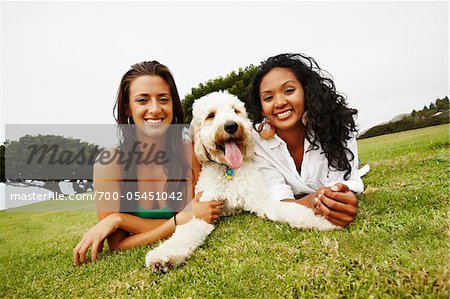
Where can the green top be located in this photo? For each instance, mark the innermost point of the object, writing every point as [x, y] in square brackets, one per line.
[163, 213]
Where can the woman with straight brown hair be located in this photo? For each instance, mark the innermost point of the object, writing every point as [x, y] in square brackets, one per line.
[148, 208]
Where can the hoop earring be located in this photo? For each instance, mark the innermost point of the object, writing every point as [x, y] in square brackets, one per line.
[266, 130]
[305, 118]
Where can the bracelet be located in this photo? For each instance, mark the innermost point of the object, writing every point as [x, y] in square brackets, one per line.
[175, 219]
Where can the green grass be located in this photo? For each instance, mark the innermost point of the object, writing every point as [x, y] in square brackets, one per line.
[397, 247]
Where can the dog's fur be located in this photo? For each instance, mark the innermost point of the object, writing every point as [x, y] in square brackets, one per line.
[246, 191]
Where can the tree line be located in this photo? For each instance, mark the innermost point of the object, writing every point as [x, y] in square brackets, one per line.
[46, 160]
[436, 113]
[237, 83]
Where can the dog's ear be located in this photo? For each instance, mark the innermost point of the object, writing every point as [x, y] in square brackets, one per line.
[249, 142]
[191, 129]
[249, 152]
[194, 132]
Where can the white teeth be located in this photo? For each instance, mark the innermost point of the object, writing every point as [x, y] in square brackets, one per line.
[282, 114]
[154, 121]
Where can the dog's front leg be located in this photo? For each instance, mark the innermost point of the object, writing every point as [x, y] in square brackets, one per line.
[296, 215]
[179, 246]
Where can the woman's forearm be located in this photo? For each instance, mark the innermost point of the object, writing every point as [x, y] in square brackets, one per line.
[126, 226]
[163, 231]
[306, 201]
[137, 225]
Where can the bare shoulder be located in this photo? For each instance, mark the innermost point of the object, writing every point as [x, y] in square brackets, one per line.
[107, 180]
[107, 165]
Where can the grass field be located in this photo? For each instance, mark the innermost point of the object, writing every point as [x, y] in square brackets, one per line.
[397, 247]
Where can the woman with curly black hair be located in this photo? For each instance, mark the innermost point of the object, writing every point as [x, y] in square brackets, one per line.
[306, 146]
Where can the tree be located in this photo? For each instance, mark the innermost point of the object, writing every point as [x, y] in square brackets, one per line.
[442, 104]
[237, 83]
[50, 159]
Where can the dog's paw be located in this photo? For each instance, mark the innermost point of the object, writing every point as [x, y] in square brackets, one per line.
[324, 224]
[157, 263]
[161, 267]
[313, 222]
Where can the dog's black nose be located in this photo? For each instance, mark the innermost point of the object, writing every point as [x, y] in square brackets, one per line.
[231, 127]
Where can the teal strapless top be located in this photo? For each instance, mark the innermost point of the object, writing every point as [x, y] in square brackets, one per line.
[163, 213]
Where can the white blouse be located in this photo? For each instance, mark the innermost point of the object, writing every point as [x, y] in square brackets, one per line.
[279, 171]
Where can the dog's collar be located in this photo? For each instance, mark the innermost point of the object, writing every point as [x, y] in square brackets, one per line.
[229, 172]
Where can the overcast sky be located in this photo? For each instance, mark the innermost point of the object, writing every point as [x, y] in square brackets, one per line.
[61, 62]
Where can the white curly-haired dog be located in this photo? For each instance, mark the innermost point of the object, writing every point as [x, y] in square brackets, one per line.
[223, 144]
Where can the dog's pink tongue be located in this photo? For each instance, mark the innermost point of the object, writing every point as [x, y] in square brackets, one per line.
[233, 155]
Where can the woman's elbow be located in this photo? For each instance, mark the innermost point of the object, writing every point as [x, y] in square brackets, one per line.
[114, 246]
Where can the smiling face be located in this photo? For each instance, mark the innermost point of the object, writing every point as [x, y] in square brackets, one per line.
[282, 99]
[150, 105]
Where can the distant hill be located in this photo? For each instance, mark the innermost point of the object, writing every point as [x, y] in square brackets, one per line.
[395, 118]
[399, 117]
[435, 114]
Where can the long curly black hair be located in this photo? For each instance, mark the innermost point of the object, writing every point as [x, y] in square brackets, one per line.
[330, 122]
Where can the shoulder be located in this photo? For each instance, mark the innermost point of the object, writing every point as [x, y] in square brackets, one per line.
[107, 178]
[269, 151]
[260, 144]
[352, 142]
[107, 164]
[265, 143]
[352, 137]
[258, 140]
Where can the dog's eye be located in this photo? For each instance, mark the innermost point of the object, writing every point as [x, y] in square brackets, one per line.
[211, 115]
[237, 111]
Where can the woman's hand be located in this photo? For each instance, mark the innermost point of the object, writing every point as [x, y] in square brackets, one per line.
[207, 211]
[94, 238]
[337, 204]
